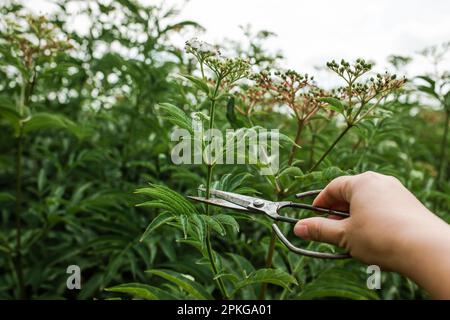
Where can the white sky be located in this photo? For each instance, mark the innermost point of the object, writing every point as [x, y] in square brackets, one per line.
[315, 31]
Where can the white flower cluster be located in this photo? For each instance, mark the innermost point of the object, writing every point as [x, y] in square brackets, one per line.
[202, 48]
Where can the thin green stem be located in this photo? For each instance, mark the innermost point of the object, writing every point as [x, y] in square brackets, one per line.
[209, 248]
[295, 270]
[313, 143]
[300, 126]
[270, 252]
[24, 96]
[325, 154]
[215, 270]
[211, 126]
[269, 259]
[18, 210]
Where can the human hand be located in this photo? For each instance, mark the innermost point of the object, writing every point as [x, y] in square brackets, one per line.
[387, 226]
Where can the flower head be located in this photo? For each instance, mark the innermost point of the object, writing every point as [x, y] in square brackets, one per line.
[201, 50]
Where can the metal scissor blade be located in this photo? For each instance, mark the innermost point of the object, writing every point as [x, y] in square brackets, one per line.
[220, 203]
[235, 198]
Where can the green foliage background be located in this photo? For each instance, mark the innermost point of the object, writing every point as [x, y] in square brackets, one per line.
[82, 128]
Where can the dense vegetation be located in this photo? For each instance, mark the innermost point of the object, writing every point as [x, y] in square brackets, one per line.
[86, 176]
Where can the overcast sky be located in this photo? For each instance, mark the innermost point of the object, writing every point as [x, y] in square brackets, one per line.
[315, 31]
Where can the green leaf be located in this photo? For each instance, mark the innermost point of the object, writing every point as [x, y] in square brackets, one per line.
[181, 25]
[430, 81]
[6, 197]
[12, 116]
[43, 121]
[428, 91]
[200, 227]
[143, 291]
[338, 283]
[175, 115]
[214, 224]
[333, 104]
[199, 83]
[274, 276]
[42, 179]
[167, 199]
[184, 224]
[228, 220]
[190, 286]
[291, 171]
[160, 220]
[234, 121]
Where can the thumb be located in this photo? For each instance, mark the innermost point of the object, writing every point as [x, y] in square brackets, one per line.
[320, 229]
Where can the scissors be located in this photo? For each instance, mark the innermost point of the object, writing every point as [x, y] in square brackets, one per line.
[271, 209]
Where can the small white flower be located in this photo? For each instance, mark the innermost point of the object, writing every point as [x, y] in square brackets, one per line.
[201, 47]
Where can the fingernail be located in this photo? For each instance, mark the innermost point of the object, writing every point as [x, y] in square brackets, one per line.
[301, 230]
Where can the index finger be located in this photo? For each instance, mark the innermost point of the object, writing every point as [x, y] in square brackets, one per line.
[336, 194]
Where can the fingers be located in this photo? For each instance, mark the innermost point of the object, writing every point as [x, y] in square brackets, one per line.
[320, 229]
[336, 195]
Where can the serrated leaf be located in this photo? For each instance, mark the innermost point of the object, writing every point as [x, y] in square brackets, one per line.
[167, 198]
[214, 224]
[200, 226]
[175, 115]
[160, 220]
[227, 220]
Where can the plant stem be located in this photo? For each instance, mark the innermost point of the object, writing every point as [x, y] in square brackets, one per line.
[331, 147]
[209, 248]
[269, 259]
[24, 96]
[313, 143]
[211, 258]
[297, 141]
[18, 209]
[270, 252]
[211, 126]
[295, 270]
[273, 237]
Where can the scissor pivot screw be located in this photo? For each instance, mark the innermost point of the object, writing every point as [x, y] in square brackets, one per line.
[258, 203]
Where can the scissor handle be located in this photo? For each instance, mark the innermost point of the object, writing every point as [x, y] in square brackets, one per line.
[305, 194]
[308, 253]
[339, 213]
[304, 252]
